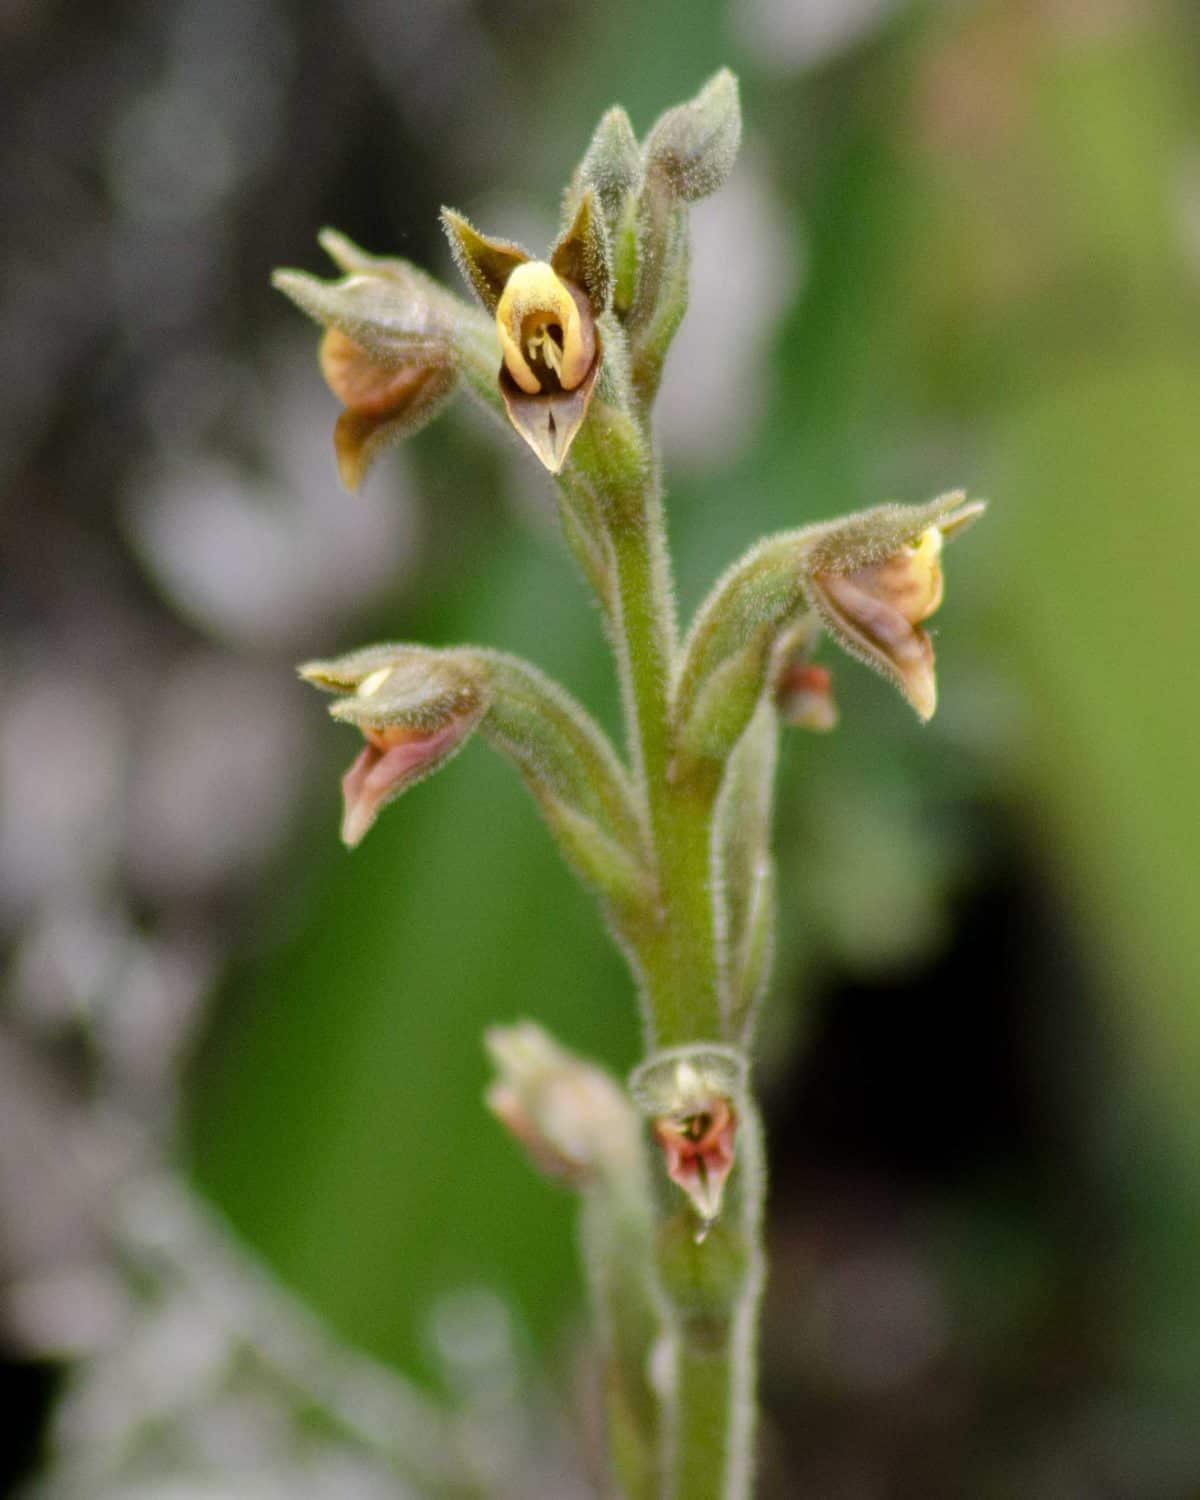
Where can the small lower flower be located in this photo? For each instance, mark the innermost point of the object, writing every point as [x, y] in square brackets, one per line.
[698, 1151]
[689, 1095]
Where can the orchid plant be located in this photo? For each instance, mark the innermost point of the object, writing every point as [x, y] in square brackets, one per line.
[673, 836]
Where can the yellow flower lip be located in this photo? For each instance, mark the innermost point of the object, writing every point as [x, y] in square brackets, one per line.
[912, 580]
[546, 330]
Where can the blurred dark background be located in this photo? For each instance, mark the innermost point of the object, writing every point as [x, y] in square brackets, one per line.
[240, 1070]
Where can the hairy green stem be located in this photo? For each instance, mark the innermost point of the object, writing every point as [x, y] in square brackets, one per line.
[709, 1284]
[676, 946]
[616, 1239]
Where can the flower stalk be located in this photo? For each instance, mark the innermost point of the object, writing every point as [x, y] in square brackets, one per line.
[674, 838]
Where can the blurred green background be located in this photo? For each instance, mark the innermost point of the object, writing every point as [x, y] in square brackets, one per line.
[962, 248]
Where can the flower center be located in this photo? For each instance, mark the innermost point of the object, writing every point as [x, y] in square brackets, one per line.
[546, 330]
[544, 346]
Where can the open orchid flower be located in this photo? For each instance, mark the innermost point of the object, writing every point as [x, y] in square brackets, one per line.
[545, 312]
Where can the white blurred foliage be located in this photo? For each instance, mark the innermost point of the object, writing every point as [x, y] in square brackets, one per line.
[210, 118]
[273, 563]
[785, 36]
[67, 1312]
[168, 1359]
[221, 763]
[57, 1162]
[62, 766]
[144, 1028]
[143, 782]
[69, 958]
[208, 1383]
[746, 267]
[180, 776]
[472, 1334]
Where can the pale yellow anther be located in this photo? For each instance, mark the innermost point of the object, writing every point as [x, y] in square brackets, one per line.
[374, 681]
[544, 346]
[534, 304]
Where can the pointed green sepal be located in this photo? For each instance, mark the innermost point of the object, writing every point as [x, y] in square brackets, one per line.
[612, 167]
[660, 295]
[397, 315]
[485, 263]
[581, 253]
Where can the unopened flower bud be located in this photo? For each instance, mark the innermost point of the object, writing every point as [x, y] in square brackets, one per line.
[415, 707]
[803, 691]
[693, 146]
[612, 164]
[572, 1119]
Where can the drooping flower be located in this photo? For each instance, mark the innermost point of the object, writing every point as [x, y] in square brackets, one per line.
[875, 577]
[391, 352]
[415, 707]
[383, 402]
